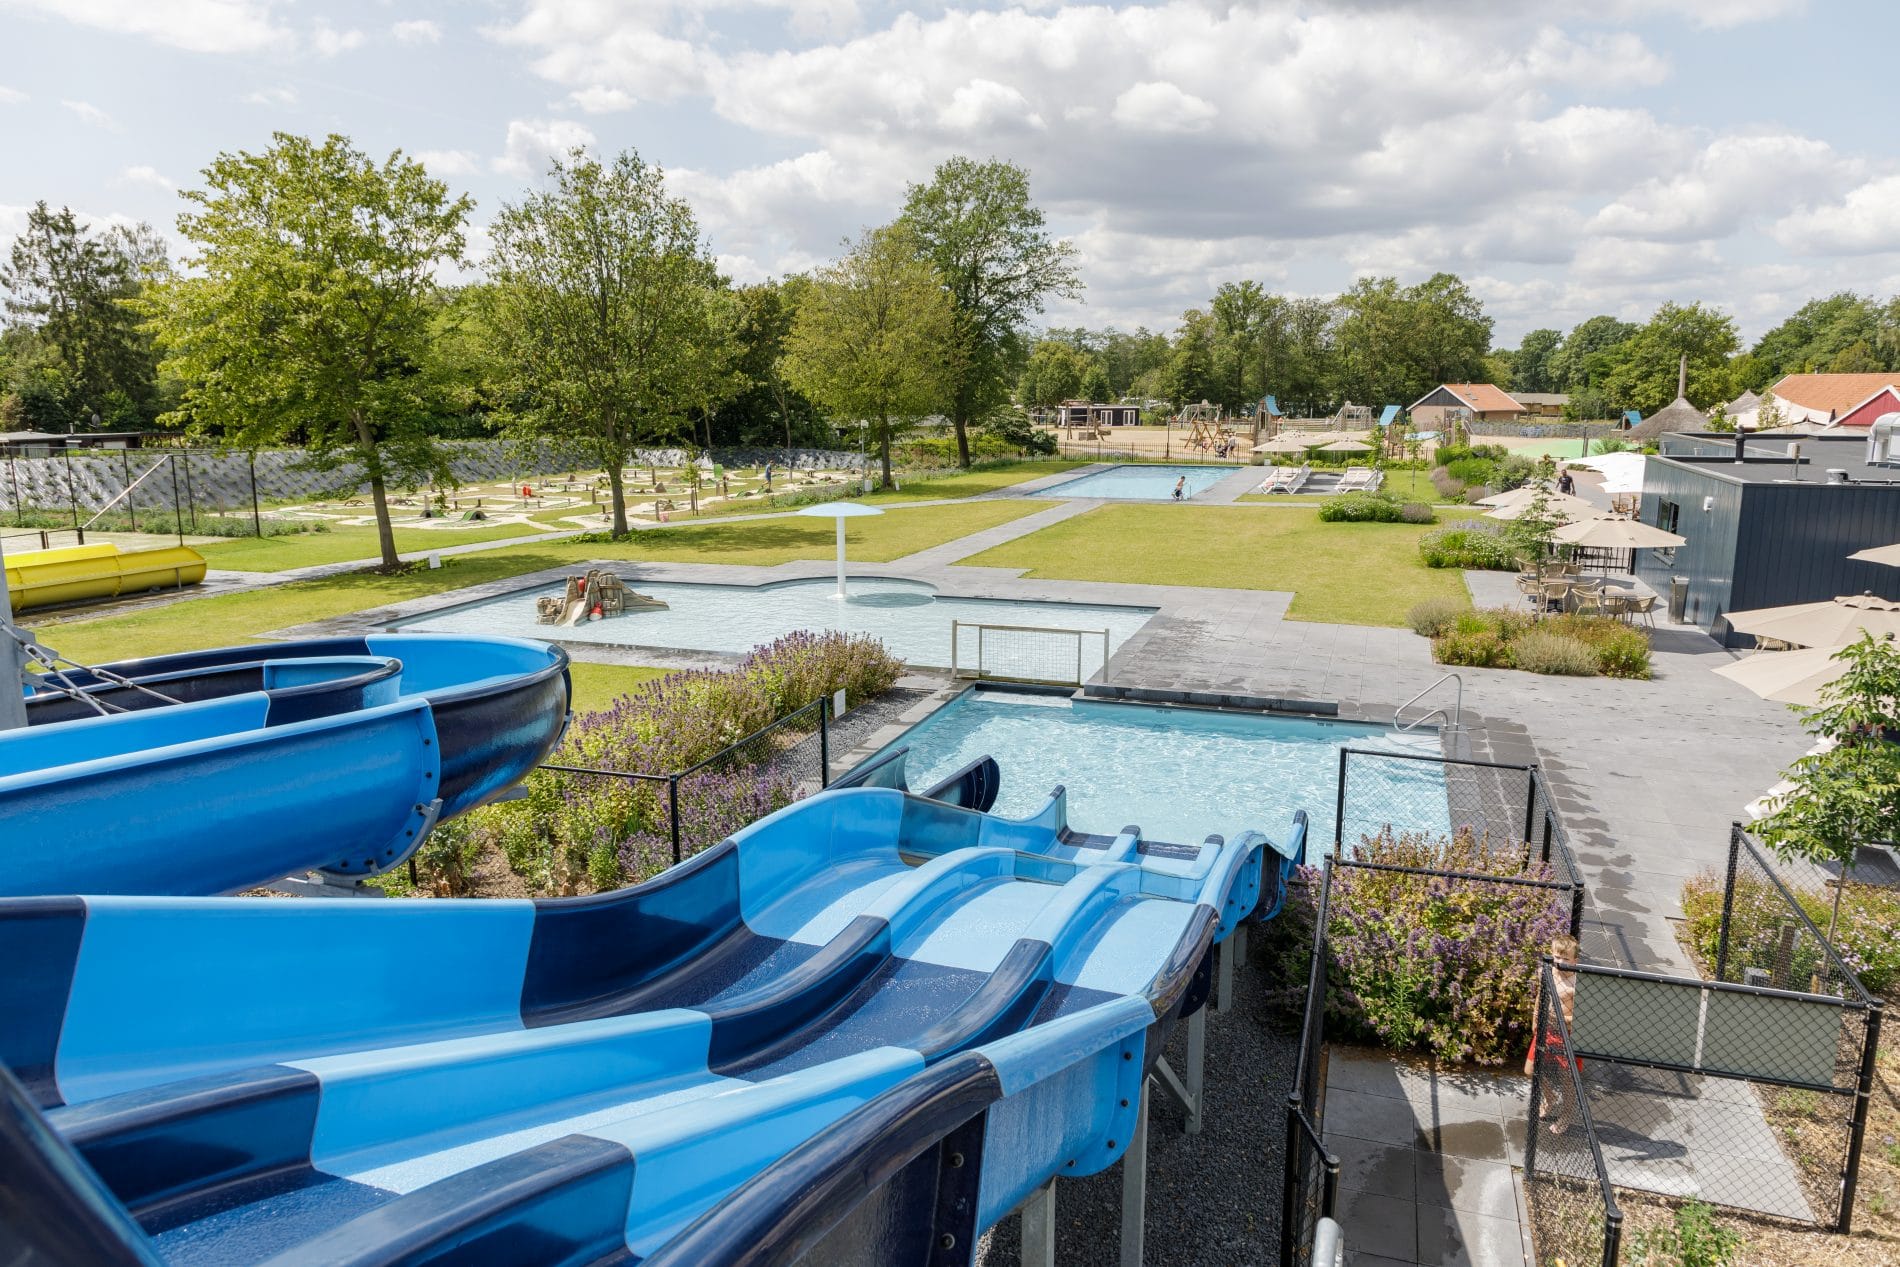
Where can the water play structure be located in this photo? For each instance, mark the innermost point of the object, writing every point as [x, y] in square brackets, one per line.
[215, 771]
[595, 596]
[43, 578]
[646, 1072]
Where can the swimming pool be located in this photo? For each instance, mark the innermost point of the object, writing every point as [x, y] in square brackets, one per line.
[1177, 773]
[1138, 482]
[910, 617]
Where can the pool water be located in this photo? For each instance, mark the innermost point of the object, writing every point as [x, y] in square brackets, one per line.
[1134, 482]
[1177, 773]
[909, 617]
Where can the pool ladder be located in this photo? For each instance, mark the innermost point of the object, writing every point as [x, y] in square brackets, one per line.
[1453, 717]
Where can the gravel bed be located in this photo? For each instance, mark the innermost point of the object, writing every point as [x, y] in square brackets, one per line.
[1213, 1198]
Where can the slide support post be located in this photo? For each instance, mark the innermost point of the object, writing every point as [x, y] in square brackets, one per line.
[1135, 1186]
[1039, 1227]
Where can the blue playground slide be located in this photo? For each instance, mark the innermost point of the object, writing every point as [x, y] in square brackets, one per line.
[226, 769]
[857, 1007]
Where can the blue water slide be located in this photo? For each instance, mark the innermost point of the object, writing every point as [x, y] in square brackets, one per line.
[499, 703]
[336, 755]
[584, 1077]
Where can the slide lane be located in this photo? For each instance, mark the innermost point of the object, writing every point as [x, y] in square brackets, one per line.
[931, 960]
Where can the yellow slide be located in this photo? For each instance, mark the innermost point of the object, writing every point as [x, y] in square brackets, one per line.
[40, 578]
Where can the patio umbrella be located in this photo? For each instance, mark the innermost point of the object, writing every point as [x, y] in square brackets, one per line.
[1621, 472]
[1889, 555]
[1824, 624]
[1509, 497]
[840, 511]
[1283, 444]
[1345, 446]
[1561, 505]
[1789, 677]
[1611, 532]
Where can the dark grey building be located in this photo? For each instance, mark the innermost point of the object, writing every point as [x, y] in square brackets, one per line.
[1768, 523]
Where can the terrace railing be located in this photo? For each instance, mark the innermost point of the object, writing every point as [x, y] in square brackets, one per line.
[1027, 653]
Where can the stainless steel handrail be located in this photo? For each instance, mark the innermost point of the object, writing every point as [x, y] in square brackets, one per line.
[1457, 706]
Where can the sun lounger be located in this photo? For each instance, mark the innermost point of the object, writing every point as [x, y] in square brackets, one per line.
[1357, 479]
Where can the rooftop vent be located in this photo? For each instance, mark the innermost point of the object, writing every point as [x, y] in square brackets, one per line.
[1836, 475]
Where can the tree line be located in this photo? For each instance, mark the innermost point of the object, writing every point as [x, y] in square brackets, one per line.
[1380, 344]
[309, 309]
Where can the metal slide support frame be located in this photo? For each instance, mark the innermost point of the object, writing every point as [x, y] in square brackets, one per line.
[1135, 1185]
[1188, 1090]
[1039, 1227]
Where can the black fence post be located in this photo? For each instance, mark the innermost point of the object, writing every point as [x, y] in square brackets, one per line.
[257, 520]
[1339, 806]
[178, 512]
[1612, 1238]
[191, 499]
[1530, 802]
[1728, 901]
[1857, 1133]
[824, 741]
[1290, 1184]
[673, 811]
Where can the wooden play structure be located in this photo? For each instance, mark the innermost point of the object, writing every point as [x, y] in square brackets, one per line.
[595, 596]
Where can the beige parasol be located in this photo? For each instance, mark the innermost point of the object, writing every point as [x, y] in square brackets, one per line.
[1824, 624]
[1559, 505]
[1790, 677]
[1345, 446]
[1889, 555]
[1283, 444]
[1612, 532]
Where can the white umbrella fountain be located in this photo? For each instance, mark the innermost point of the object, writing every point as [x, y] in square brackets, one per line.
[840, 511]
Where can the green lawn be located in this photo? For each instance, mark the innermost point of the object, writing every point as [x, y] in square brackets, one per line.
[969, 483]
[1346, 573]
[343, 545]
[596, 686]
[229, 619]
[1410, 486]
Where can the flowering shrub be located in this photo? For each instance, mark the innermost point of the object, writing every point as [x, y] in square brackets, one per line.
[1493, 637]
[1471, 543]
[1867, 938]
[607, 830]
[1432, 963]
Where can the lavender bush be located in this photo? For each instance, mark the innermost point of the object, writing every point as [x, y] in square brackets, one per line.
[606, 831]
[1428, 963]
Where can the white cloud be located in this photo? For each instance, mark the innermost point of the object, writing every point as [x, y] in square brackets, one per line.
[278, 95]
[448, 162]
[599, 100]
[417, 31]
[985, 106]
[329, 41]
[91, 114]
[11, 96]
[1732, 180]
[1865, 222]
[531, 143]
[1162, 107]
[201, 26]
[144, 174]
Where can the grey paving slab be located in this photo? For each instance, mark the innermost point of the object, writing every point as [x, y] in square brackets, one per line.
[1464, 1238]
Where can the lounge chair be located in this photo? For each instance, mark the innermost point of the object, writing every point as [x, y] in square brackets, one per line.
[1300, 477]
[1357, 479]
[1277, 480]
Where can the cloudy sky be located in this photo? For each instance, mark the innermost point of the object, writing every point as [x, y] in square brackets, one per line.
[1566, 156]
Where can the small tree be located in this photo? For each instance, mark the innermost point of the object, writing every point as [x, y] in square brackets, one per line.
[874, 338]
[602, 311]
[1530, 533]
[1768, 413]
[1849, 794]
[308, 316]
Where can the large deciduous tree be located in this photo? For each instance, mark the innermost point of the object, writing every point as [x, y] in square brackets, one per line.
[603, 311]
[986, 238]
[1643, 369]
[875, 337]
[308, 315]
[68, 295]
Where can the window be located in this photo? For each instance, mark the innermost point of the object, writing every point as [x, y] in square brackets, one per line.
[1668, 515]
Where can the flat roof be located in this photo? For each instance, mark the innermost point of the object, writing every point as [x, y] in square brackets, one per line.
[1766, 459]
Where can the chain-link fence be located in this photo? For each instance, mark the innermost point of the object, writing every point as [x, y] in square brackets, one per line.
[1028, 653]
[1574, 1215]
[1507, 810]
[670, 817]
[1748, 1092]
[1310, 1184]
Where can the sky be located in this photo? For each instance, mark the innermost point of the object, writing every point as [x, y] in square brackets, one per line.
[1566, 157]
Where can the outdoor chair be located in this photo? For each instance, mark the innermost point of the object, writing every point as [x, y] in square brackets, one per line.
[1617, 603]
[1587, 600]
[1643, 605]
[1556, 595]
